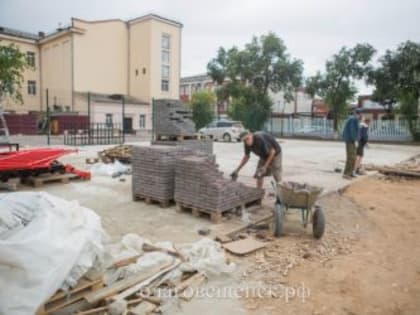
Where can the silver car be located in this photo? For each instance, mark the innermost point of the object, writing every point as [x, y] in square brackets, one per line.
[226, 130]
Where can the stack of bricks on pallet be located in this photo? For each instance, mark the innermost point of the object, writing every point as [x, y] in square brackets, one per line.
[153, 171]
[199, 184]
[172, 118]
[204, 145]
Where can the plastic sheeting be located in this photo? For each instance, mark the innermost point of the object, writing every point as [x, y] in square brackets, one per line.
[205, 256]
[55, 243]
[111, 169]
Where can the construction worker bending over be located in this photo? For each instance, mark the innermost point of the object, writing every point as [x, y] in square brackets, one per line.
[267, 149]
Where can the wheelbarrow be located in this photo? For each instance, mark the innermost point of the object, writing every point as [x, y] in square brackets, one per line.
[290, 195]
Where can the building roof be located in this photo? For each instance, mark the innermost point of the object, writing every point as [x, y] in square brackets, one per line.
[113, 98]
[196, 78]
[156, 17]
[42, 36]
[17, 33]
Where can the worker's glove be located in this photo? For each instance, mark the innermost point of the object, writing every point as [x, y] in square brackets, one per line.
[234, 175]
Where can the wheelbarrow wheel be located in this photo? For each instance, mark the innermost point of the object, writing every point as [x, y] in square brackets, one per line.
[278, 218]
[318, 223]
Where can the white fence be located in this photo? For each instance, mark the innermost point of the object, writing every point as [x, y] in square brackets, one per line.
[380, 130]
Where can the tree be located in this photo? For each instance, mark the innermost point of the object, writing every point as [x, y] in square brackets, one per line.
[246, 76]
[252, 108]
[12, 65]
[397, 80]
[337, 84]
[202, 105]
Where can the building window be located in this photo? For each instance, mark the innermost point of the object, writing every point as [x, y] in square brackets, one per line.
[108, 120]
[165, 72]
[165, 46]
[32, 87]
[164, 85]
[30, 58]
[142, 121]
[165, 56]
[165, 41]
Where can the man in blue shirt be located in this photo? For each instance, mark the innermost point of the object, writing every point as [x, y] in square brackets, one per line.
[350, 135]
[362, 142]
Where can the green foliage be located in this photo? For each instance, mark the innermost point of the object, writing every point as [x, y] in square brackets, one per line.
[397, 80]
[12, 65]
[246, 76]
[202, 104]
[252, 108]
[337, 84]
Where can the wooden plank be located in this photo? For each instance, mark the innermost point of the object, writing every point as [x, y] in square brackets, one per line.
[125, 262]
[243, 247]
[83, 284]
[122, 285]
[397, 171]
[246, 226]
[144, 308]
[145, 282]
[193, 284]
[150, 247]
[105, 308]
[221, 238]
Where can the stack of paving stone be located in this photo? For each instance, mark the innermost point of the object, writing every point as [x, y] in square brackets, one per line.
[153, 171]
[199, 184]
[172, 118]
[203, 145]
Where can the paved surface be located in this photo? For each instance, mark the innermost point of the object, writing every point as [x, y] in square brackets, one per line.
[312, 162]
[304, 161]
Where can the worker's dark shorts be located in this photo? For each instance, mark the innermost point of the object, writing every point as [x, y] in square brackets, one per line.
[275, 169]
[360, 149]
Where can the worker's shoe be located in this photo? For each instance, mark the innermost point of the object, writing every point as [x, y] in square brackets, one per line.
[349, 177]
[360, 172]
[353, 174]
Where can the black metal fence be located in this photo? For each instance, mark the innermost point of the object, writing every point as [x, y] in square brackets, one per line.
[93, 134]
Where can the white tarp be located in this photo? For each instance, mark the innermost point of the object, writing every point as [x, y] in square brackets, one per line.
[110, 169]
[205, 256]
[46, 243]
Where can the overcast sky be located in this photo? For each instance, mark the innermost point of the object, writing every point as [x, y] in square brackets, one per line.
[313, 30]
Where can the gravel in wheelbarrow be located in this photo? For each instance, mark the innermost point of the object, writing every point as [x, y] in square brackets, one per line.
[296, 195]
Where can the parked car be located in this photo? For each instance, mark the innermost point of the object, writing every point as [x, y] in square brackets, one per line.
[223, 129]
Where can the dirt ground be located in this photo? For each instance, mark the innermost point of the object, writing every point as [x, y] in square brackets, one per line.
[368, 262]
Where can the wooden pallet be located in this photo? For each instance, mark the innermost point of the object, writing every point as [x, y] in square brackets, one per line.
[11, 184]
[183, 137]
[215, 216]
[40, 180]
[63, 299]
[150, 200]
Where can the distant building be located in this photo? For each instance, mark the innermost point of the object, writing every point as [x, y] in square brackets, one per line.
[138, 58]
[191, 84]
[301, 105]
[371, 109]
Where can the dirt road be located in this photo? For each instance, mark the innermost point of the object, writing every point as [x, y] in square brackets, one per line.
[367, 263]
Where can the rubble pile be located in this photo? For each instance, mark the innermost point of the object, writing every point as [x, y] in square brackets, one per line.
[274, 263]
[121, 153]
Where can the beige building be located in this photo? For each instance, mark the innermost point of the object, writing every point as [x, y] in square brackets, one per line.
[139, 58]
